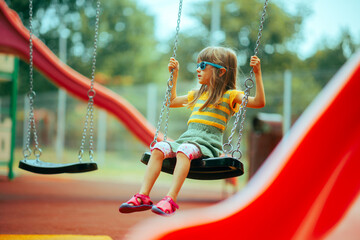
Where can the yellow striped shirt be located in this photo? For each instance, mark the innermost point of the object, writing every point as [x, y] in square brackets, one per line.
[216, 116]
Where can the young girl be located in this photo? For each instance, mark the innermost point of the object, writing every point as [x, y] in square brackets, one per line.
[212, 106]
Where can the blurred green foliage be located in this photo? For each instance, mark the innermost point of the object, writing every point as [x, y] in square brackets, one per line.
[128, 52]
[130, 57]
[126, 39]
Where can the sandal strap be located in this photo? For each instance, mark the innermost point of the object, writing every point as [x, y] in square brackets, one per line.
[145, 200]
[172, 202]
[167, 203]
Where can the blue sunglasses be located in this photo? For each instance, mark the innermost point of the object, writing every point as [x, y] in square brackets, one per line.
[203, 64]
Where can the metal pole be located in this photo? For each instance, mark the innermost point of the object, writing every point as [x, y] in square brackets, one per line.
[26, 123]
[13, 106]
[151, 103]
[101, 138]
[215, 23]
[60, 136]
[287, 101]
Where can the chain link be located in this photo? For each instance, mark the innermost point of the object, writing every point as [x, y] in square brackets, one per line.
[89, 118]
[167, 100]
[31, 96]
[238, 116]
[249, 83]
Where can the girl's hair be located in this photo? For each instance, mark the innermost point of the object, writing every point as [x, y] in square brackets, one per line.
[222, 56]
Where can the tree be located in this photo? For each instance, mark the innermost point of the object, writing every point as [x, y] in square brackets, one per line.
[327, 61]
[126, 43]
[240, 24]
[126, 39]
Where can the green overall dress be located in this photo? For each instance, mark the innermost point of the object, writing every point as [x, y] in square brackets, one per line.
[206, 127]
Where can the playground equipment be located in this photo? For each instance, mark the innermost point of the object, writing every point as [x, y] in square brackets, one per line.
[218, 167]
[9, 66]
[302, 190]
[16, 42]
[280, 201]
[38, 166]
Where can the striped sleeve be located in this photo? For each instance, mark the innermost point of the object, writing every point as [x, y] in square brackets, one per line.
[234, 106]
[191, 96]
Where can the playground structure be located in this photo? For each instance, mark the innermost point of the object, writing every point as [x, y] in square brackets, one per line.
[9, 67]
[301, 192]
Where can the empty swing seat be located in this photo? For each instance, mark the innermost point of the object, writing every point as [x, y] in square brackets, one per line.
[38, 166]
[204, 168]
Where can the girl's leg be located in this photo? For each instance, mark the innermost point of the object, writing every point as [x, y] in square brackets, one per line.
[152, 171]
[151, 174]
[139, 202]
[186, 152]
[180, 173]
[160, 151]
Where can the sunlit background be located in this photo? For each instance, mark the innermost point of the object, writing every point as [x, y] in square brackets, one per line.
[305, 40]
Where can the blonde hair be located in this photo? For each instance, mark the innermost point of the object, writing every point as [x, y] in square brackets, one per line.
[222, 56]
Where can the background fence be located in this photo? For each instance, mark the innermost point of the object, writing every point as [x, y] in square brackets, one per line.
[54, 109]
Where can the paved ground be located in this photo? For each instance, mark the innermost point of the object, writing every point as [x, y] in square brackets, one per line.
[36, 204]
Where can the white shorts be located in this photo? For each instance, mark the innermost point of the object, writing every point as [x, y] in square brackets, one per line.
[189, 149]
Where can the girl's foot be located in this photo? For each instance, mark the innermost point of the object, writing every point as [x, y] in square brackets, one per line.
[139, 202]
[166, 207]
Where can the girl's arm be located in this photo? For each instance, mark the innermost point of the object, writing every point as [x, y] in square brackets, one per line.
[176, 101]
[258, 101]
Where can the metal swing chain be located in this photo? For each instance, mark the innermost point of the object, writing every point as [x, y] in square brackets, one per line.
[89, 119]
[31, 95]
[249, 84]
[166, 103]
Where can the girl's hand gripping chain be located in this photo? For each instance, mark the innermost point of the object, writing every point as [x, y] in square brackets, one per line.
[258, 101]
[255, 64]
[175, 101]
[174, 66]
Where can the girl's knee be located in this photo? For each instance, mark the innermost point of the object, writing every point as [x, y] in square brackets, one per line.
[181, 155]
[163, 149]
[156, 153]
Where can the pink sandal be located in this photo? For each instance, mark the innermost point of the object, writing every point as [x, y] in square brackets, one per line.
[133, 205]
[166, 207]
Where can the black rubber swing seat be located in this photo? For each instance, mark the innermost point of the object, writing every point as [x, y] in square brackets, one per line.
[204, 168]
[38, 166]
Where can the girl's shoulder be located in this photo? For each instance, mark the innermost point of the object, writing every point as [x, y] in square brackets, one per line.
[194, 91]
[233, 92]
[192, 94]
[230, 90]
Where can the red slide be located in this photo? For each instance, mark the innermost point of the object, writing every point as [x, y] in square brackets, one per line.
[14, 39]
[303, 189]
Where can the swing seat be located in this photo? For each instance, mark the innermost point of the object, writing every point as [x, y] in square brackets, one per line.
[38, 166]
[204, 168]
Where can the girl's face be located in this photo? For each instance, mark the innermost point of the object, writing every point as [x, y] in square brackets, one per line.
[205, 75]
